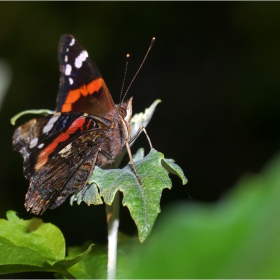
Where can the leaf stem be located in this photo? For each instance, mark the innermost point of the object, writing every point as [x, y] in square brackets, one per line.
[112, 213]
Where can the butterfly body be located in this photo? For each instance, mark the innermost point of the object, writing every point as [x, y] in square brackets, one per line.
[61, 150]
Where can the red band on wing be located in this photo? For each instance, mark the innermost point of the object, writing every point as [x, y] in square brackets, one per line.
[75, 94]
[43, 156]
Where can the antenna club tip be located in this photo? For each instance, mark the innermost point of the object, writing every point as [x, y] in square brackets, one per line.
[127, 55]
[152, 42]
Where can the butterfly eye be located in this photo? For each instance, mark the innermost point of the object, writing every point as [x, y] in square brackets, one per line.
[122, 111]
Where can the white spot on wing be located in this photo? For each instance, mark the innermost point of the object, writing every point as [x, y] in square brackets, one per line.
[66, 58]
[50, 123]
[71, 81]
[33, 143]
[67, 49]
[72, 42]
[68, 70]
[66, 151]
[81, 58]
[41, 145]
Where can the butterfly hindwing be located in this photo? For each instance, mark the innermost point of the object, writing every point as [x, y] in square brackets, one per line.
[81, 88]
[62, 175]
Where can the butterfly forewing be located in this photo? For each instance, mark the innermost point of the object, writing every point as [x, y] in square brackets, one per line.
[81, 88]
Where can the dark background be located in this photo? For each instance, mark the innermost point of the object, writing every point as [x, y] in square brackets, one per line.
[215, 66]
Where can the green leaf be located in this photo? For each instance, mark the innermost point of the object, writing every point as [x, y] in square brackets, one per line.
[143, 201]
[239, 237]
[89, 196]
[94, 266]
[34, 111]
[46, 237]
[63, 266]
[31, 245]
[175, 169]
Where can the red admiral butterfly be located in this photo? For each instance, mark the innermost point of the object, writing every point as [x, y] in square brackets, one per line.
[61, 150]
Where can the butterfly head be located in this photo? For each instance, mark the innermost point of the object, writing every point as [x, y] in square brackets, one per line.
[125, 113]
[125, 110]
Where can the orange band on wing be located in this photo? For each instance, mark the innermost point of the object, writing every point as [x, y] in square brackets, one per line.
[44, 155]
[75, 94]
[78, 123]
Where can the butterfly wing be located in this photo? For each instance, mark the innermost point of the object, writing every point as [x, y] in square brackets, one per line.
[62, 175]
[59, 154]
[81, 88]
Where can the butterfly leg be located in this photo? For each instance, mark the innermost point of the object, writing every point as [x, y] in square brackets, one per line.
[127, 141]
[132, 162]
[141, 128]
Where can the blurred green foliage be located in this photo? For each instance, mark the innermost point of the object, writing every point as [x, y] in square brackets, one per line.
[31, 245]
[238, 238]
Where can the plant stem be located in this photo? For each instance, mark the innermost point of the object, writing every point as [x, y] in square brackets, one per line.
[112, 213]
[68, 275]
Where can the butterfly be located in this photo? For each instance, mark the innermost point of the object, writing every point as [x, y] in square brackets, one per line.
[60, 150]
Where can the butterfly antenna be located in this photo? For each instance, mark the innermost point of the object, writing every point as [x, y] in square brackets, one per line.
[151, 44]
[125, 71]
